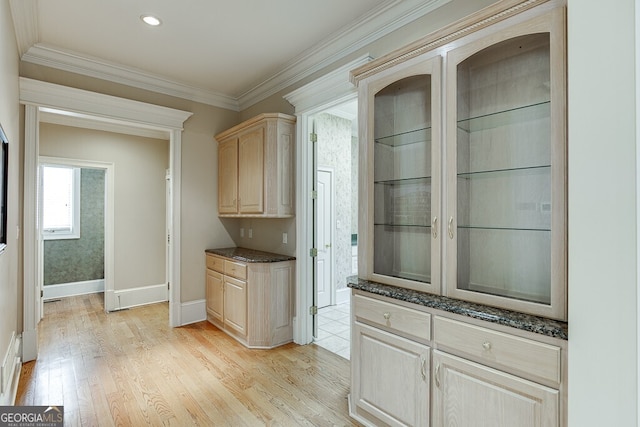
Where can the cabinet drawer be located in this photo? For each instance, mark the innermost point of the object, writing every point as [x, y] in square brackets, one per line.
[215, 263]
[403, 320]
[524, 356]
[235, 269]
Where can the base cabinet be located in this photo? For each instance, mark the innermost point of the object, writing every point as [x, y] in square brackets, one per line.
[470, 394]
[215, 295]
[252, 302]
[417, 366]
[235, 302]
[392, 378]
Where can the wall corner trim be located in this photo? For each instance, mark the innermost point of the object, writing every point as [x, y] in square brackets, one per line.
[193, 311]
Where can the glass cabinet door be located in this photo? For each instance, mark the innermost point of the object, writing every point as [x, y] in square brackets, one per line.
[404, 138]
[505, 171]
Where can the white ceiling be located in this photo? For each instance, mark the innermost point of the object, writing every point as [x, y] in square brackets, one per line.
[227, 53]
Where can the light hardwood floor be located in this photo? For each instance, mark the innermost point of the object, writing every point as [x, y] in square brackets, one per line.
[129, 368]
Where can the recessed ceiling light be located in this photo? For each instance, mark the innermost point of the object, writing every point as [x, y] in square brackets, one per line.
[151, 20]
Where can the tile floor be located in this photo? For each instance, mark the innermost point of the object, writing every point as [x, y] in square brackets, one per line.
[334, 332]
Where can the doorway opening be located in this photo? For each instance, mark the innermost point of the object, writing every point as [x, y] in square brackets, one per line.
[73, 230]
[335, 222]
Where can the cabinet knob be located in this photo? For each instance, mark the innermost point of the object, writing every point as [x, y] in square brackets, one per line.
[486, 345]
[386, 315]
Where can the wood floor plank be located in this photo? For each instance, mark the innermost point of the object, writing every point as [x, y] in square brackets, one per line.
[129, 368]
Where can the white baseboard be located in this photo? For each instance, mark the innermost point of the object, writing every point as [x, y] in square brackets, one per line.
[193, 311]
[10, 372]
[71, 289]
[343, 296]
[127, 298]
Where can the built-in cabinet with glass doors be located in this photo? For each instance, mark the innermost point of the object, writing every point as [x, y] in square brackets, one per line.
[463, 169]
[463, 194]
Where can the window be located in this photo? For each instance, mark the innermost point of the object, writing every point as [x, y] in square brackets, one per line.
[4, 173]
[60, 202]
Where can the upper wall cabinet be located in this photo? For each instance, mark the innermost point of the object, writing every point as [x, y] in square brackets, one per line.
[463, 176]
[255, 168]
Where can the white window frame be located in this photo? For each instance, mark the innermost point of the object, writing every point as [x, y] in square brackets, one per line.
[74, 232]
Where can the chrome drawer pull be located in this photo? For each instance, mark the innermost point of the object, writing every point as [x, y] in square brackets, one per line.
[386, 315]
[486, 345]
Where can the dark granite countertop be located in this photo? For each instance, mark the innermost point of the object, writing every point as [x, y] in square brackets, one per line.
[249, 255]
[538, 325]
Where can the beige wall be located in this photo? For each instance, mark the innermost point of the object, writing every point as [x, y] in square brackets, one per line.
[139, 192]
[10, 271]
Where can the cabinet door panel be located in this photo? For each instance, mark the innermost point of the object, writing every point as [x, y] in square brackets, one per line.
[401, 165]
[251, 172]
[228, 177]
[391, 377]
[467, 394]
[235, 305]
[506, 163]
[215, 295]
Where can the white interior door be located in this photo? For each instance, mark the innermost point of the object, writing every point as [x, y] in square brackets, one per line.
[325, 237]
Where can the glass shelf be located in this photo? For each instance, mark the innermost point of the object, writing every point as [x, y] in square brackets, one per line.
[508, 117]
[404, 181]
[396, 225]
[477, 227]
[470, 175]
[417, 136]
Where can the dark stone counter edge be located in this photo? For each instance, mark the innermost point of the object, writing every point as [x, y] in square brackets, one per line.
[249, 255]
[526, 322]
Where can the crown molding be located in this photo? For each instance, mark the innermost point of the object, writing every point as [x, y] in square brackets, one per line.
[72, 62]
[333, 85]
[25, 20]
[380, 21]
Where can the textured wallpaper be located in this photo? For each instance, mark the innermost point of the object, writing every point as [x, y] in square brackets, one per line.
[335, 151]
[79, 260]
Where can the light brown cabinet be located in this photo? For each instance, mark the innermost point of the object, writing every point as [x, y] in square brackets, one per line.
[252, 302]
[256, 168]
[417, 366]
[463, 162]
